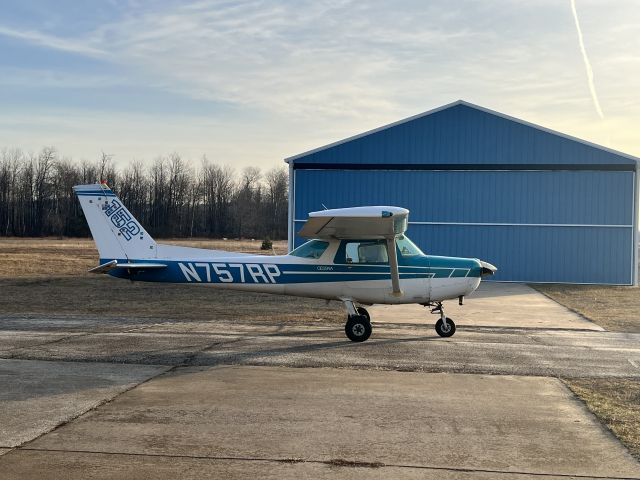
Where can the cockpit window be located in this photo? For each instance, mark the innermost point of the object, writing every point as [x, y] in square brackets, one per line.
[407, 248]
[366, 251]
[312, 249]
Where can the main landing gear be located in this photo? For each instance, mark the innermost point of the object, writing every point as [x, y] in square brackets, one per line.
[358, 326]
[445, 327]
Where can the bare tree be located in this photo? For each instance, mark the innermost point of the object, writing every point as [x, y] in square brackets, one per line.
[169, 197]
[105, 165]
[276, 206]
[10, 161]
[247, 203]
[134, 190]
[218, 189]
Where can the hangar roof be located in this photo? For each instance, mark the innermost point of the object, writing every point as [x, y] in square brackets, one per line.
[461, 134]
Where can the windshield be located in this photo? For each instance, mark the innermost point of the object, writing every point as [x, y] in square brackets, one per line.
[407, 248]
[313, 249]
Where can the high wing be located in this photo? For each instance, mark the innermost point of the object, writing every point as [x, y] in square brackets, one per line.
[380, 222]
[356, 223]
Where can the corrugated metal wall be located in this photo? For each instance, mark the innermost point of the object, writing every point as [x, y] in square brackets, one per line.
[462, 134]
[590, 243]
[600, 198]
[547, 224]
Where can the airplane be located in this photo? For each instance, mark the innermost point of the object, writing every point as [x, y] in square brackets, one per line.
[359, 256]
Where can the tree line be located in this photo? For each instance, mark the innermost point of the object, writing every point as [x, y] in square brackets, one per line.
[171, 197]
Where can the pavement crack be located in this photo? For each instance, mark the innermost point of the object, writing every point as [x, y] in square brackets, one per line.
[335, 463]
[104, 401]
[189, 361]
[52, 342]
[341, 462]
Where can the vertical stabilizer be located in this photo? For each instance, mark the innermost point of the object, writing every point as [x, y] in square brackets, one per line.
[116, 232]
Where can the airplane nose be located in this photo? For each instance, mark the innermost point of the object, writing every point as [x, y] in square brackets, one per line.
[487, 268]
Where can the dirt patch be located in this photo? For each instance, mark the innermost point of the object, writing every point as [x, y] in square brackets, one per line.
[614, 308]
[616, 402]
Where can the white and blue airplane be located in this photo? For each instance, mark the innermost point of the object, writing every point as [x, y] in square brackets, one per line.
[359, 256]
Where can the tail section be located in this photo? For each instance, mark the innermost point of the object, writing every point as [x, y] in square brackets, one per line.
[117, 233]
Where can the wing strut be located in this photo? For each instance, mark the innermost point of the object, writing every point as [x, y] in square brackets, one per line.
[393, 264]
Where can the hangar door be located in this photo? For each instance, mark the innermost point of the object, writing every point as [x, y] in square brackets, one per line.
[534, 225]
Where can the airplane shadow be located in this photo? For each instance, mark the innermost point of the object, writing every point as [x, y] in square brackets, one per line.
[233, 350]
[260, 356]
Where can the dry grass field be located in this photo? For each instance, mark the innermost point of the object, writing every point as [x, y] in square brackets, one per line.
[616, 309]
[616, 402]
[50, 276]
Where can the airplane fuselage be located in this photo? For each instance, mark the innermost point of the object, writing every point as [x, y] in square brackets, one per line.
[424, 278]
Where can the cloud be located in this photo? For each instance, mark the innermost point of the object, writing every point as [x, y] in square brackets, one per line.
[338, 59]
[309, 72]
[349, 63]
[52, 42]
[39, 78]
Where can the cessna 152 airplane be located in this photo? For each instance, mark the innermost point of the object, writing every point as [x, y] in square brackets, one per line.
[359, 256]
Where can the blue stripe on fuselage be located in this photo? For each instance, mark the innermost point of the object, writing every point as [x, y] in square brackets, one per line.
[200, 271]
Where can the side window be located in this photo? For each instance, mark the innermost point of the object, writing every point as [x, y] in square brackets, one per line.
[407, 248]
[312, 249]
[370, 251]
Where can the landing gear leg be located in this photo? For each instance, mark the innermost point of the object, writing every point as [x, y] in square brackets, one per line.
[358, 326]
[445, 327]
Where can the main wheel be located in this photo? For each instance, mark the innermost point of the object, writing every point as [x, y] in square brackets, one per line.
[363, 311]
[358, 328]
[447, 331]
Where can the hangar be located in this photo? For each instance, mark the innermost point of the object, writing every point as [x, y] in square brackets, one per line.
[541, 205]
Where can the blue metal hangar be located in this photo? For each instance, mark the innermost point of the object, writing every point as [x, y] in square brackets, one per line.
[540, 205]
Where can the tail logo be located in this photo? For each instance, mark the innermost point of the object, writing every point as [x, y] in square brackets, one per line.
[121, 219]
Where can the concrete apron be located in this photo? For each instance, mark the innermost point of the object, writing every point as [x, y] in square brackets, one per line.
[512, 305]
[36, 396]
[239, 421]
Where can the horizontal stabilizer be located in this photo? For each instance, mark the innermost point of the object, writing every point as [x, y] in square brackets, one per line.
[113, 264]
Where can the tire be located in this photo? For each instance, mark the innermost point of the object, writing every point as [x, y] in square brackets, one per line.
[363, 311]
[445, 333]
[358, 328]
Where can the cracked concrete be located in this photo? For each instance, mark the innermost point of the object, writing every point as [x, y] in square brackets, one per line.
[436, 423]
[37, 396]
[162, 397]
[500, 305]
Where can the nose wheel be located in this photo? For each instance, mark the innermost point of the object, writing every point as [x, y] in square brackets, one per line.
[358, 328]
[445, 327]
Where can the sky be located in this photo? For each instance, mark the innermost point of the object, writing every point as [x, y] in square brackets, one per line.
[252, 82]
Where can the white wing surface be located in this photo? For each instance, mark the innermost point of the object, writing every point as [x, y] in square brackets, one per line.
[356, 223]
